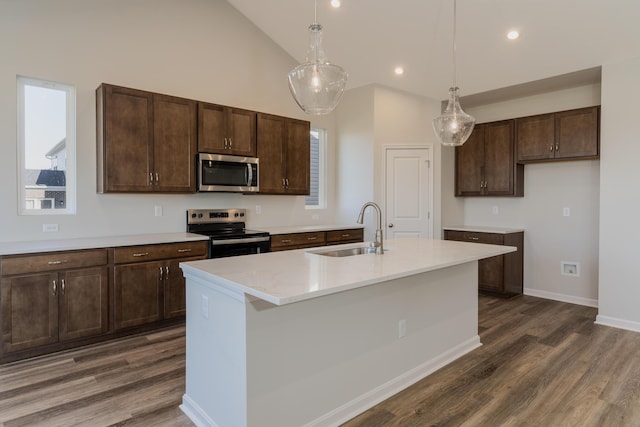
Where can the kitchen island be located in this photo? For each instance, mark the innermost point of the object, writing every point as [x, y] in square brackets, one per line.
[298, 338]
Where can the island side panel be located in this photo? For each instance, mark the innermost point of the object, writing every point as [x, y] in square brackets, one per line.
[216, 379]
[324, 360]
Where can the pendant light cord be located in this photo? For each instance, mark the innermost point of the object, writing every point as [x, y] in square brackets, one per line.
[454, 43]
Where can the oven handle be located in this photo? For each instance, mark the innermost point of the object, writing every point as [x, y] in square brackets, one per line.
[233, 241]
[249, 174]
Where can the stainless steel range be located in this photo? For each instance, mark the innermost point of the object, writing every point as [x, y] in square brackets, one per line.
[227, 232]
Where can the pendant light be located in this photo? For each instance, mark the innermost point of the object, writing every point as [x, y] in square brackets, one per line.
[453, 127]
[317, 84]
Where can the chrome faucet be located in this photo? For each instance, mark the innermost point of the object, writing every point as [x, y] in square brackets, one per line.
[377, 241]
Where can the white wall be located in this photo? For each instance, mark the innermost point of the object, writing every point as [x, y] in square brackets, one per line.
[550, 238]
[199, 49]
[620, 197]
[368, 119]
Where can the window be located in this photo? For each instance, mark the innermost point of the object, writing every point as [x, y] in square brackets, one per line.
[317, 196]
[46, 147]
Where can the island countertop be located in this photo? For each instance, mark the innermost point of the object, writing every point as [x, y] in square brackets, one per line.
[290, 276]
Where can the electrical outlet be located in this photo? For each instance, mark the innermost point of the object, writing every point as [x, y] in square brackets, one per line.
[495, 210]
[204, 308]
[258, 209]
[570, 268]
[402, 328]
[49, 228]
[315, 217]
[566, 212]
[157, 210]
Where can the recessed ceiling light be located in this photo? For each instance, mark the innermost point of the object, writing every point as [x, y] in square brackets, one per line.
[513, 34]
[399, 71]
[335, 3]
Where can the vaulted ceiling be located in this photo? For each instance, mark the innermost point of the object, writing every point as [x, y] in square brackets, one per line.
[369, 38]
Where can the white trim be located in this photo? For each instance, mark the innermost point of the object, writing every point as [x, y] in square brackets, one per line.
[629, 325]
[192, 410]
[429, 147]
[561, 297]
[371, 398]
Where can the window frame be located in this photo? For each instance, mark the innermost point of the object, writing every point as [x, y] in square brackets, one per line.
[322, 169]
[70, 145]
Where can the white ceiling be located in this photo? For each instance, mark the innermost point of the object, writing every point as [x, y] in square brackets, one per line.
[370, 37]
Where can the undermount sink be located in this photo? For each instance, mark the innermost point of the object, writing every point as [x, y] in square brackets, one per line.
[346, 252]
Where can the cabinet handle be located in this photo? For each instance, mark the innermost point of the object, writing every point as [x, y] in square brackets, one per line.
[285, 241]
[157, 177]
[551, 147]
[349, 235]
[557, 147]
[474, 238]
[226, 144]
[283, 184]
[161, 273]
[55, 288]
[230, 143]
[312, 238]
[166, 272]
[57, 262]
[150, 178]
[140, 254]
[287, 181]
[62, 286]
[184, 250]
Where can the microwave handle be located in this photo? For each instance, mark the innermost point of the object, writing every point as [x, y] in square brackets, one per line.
[249, 174]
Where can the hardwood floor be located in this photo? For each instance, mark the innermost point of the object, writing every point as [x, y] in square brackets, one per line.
[543, 363]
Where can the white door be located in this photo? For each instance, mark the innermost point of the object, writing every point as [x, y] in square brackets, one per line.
[409, 191]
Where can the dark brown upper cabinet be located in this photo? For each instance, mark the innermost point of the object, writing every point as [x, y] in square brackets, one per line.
[565, 135]
[284, 152]
[146, 142]
[486, 165]
[226, 130]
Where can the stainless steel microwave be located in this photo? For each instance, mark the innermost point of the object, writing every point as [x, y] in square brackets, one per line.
[221, 172]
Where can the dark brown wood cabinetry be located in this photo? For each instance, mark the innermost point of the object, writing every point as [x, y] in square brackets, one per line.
[226, 130]
[565, 135]
[284, 152]
[289, 241]
[146, 142]
[486, 164]
[500, 275]
[148, 284]
[54, 297]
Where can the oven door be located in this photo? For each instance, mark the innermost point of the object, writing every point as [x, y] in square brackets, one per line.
[234, 247]
[218, 172]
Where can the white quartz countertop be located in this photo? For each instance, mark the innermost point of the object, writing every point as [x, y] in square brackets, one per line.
[289, 276]
[484, 229]
[308, 228]
[15, 248]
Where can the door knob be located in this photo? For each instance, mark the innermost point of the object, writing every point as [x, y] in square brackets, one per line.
[390, 225]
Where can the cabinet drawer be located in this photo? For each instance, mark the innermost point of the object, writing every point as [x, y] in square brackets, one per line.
[129, 254]
[296, 239]
[52, 261]
[475, 237]
[345, 236]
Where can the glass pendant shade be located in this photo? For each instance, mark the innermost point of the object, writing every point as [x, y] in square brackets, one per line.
[317, 85]
[453, 127]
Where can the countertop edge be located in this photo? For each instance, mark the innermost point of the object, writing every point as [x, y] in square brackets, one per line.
[484, 229]
[30, 247]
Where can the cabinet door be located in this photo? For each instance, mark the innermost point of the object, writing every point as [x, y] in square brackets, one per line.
[470, 164]
[174, 152]
[491, 274]
[271, 135]
[241, 131]
[211, 128]
[125, 139]
[29, 311]
[175, 288]
[84, 303]
[137, 294]
[535, 137]
[499, 158]
[577, 133]
[297, 157]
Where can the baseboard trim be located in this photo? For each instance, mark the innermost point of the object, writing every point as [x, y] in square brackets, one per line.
[371, 398]
[618, 323]
[561, 297]
[192, 410]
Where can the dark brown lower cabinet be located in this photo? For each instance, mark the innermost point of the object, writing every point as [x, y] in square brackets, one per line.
[46, 308]
[500, 275]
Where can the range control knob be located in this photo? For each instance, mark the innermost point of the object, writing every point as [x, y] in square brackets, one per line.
[199, 215]
[193, 215]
